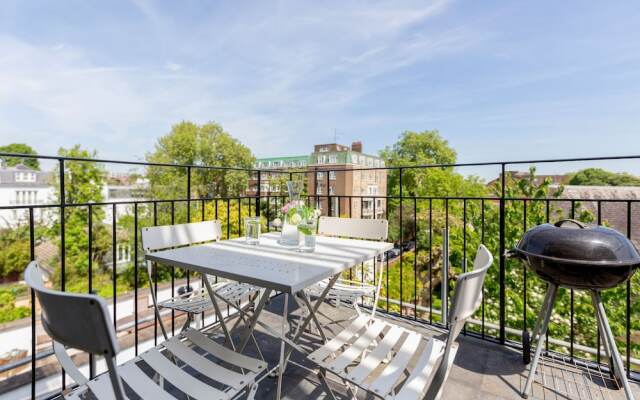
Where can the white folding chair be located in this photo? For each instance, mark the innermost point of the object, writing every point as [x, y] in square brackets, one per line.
[195, 302]
[376, 355]
[82, 322]
[346, 291]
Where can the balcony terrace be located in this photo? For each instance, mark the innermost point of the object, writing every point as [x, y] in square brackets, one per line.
[489, 363]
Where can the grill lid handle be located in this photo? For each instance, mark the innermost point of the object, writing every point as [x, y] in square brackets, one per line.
[573, 221]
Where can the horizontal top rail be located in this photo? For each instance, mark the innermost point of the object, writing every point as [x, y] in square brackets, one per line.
[324, 167]
[106, 161]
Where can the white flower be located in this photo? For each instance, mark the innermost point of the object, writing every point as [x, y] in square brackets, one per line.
[295, 219]
[277, 222]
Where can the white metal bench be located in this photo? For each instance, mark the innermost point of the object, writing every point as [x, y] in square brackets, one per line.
[186, 361]
[376, 355]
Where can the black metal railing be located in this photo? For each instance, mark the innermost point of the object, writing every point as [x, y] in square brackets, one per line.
[424, 221]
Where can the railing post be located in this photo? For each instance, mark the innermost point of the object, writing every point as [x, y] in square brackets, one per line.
[258, 195]
[401, 235]
[502, 255]
[444, 286]
[188, 194]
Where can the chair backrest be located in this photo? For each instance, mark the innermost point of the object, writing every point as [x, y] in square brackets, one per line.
[80, 321]
[468, 293]
[370, 229]
[163, 237]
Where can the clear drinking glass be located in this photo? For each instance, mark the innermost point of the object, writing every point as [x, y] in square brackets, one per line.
[252, 230]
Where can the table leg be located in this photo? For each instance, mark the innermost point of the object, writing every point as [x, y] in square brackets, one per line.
[254, 319]
[212, 297]
[308, 318]
[285, 317]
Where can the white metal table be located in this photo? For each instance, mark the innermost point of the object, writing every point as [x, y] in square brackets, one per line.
[273, 267]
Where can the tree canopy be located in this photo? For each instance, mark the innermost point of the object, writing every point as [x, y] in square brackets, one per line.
[19, 148]
[601, 177]
[192, 144]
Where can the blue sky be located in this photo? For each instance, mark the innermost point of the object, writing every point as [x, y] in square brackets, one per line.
[499, 80]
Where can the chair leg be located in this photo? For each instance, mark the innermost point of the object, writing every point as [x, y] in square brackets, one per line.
[545, 314]
[323, 380]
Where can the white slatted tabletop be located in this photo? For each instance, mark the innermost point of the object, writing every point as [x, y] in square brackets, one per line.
[270, 265]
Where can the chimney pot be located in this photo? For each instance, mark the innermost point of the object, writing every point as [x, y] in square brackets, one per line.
[356, 146]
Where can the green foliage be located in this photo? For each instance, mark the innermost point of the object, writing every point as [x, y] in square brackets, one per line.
[14, 256]
[83, 184]
[8, 310]
[601, 177]
[19, 148]
[192, 144]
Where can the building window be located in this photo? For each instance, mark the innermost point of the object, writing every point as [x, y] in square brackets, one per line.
[369, 162]
[363, 160]
[331, 191]
[379, 203]
[26, 197]
[333, 158]
[372, 189]
[320, 175]
[332, 175]
[123, 254]
[319, 190]
[25, 177]
[276, 163]
[377, 163]
[324, 149]
[264, 187]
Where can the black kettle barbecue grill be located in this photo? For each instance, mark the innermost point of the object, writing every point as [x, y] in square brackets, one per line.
[577, 256]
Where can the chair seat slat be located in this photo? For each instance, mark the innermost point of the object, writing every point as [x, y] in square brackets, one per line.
[140, 383]
[340, 340]
[203, 365]
[101, 388]
[223, 353]
[186, 383]
[387, 379]
[360, 373]
[358, 347]
[421, 375]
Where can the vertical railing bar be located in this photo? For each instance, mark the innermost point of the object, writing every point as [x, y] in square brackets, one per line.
[502, 335]
[114, 276]
[482, 216]
[415, 257]
[173, 274]
[628, 313]
[401, 237]
[202, 218]
[431, 261]
[445, 267]
[228, 219]
[258, 199]
[388, 253]
[32, 256]
[135, 274]
[572, 327]
[524, 274]
[90, 275]
[599, 205]
[547, 218]
[63, 252]
[464, 245]
[328, 194]
[154, 285]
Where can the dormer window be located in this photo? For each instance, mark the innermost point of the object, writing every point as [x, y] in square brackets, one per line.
[25, 177]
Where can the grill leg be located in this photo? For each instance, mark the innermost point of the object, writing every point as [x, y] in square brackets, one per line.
[608, 338]
[541, 329]
[605, 342]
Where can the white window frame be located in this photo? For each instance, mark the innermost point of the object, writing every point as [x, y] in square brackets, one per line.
[332, 175]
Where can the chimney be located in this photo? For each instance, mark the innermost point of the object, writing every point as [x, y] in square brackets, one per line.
[356, 146]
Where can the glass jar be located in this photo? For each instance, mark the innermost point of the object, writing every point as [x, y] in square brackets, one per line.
[308, 231]
[289, 236]
[252, 230]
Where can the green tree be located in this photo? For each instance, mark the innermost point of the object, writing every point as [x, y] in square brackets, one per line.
[84, 181]
[205, 145]
[19, 148]
[601, 177]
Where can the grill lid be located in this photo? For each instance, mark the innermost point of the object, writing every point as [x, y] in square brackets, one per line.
[572, 241]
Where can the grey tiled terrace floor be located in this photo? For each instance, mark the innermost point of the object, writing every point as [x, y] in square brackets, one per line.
[482, 370]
